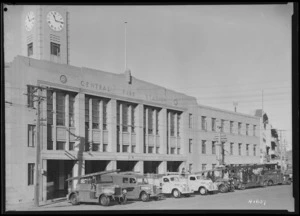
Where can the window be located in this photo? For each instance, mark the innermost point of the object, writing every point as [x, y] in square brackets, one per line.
[239, 127]
[30, 97]
[30, 173]
[125, 180]
[166, 180]
[49, 107]
[157, 120]
[190, 120]
[203, 146]
[125, 116]
[192, 178]
[71, 146]
[87, 114]
[178, 150]
[55, 49]
[105, 115]
[254, 130]
[173, 150]
[60, 108]
[150, 120]
[231, 148]
[231, 126]
[29, 49]
[157, 150]
[96, 147]
[172, 122]
[31, 135]
[49, 145]
[222, 125]
[213, 149]
[95, 113]
[71, 110]
[60, 145]
[150, 149]
[254, 150]
[190, 145]
[105, 147]
[133, 149]
[213, 166]
[203, 122]
[203, 166]
[247, 129]
[132, 118]
[178, 124]
[125, 148]
[247, 149]
[240, 148]
[213, 124]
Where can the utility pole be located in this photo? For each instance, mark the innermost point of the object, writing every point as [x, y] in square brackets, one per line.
[39, 99]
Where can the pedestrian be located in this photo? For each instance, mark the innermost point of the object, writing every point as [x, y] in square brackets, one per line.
[183, 172]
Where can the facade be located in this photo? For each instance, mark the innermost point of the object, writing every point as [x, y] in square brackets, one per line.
[92, 120]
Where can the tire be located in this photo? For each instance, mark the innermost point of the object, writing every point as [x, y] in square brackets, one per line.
[74, 199]
[104, 200]
[202, 191]
[265, 183]
[242, 187]
[176, 193]
[223, 188]
[270, 183]
[144, 196]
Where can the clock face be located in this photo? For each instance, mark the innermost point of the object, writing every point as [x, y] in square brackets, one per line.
[55, 21]
[29, 21]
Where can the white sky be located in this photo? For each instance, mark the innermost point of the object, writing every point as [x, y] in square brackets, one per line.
[216, 53]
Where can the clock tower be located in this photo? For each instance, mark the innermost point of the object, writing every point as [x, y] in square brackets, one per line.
[45, 33]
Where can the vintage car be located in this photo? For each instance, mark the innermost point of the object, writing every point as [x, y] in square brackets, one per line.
[201, 184]
[171, 184]
[137, 186]
[95, 188]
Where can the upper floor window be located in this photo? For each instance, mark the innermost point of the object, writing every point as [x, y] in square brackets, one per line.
[203, 146]
[30, 96]
[213, 124]
[31, 135]
[60, 108]
[254, 130]
[247, 149]
[30, 49]
[203, 122]
[240, 148]
[190, 145]
[254, 150]
[231, 148]
[231, 126]
[71, 110]
[239, 127]
[30, 173]
[178, 124]
[213, 149]
[55, 49]
[247, 129]
[95, 113]
[49, 107]
[105, 114]
[151, 120]
[222, 125]
[190, 120]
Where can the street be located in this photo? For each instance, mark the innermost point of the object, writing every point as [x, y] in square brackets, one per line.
[277, 197]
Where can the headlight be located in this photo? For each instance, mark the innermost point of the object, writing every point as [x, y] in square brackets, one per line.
[124, 191]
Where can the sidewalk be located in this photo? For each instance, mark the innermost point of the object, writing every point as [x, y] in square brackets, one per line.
[30, 205]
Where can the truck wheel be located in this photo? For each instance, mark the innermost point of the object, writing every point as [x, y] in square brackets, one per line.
[144, 196]
[222, 188]
[270, 183]
[74, 199]
[176, 193]
[104, 200]
[242, 187]
[202, 191]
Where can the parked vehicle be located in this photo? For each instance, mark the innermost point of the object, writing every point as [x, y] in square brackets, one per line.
[200, 183]
[95, 188]
[137, 186]
[171, 184]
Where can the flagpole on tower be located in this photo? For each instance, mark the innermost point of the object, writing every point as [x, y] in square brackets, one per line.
[125, 46]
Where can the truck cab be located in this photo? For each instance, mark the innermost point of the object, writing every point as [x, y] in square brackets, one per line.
[201, 184]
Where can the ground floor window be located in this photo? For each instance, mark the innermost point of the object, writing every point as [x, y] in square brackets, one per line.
[125, 148]
[30, 173]
[105, 147]
[96, 147]
[173, 150]
[60, 145]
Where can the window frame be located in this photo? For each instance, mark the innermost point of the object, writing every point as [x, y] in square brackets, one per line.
[30, 173]
[29, 49]
[54, 49]
[32, 134]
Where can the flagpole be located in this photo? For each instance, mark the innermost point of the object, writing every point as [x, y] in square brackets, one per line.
[125, 46]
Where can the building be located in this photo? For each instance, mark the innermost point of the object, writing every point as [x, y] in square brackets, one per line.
[92, 120]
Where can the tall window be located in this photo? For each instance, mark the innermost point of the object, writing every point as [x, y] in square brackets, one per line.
[239, 127]
[150, 121]
[203, 146]
[31, 135]
[254, 130]
[254, 150]
[30, 173]
[203, 122]
[190, 120]
[240, 148]
[178, 124]
[231, 148]
[105, 114]
[29, 49]
[222, 125]
[213, 124]
[49, 107]
[71, 110]
[60, 108]
[132, 118]
[203, 166]
[213, 149]
[172, 121]
[157, 122]
[30, 97]
[247, 129]
[55, 49]
[60, 145]
[190, 145]
[95, 113]
[231, 126]
[125, 115]
[247, 149]
[87, 114]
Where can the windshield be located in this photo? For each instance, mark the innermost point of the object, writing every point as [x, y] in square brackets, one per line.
[141, 180]
[174, 179]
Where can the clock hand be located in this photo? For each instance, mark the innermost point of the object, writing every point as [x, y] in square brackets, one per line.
[54, 17]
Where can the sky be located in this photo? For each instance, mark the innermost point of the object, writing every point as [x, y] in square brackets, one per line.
[219, 54]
